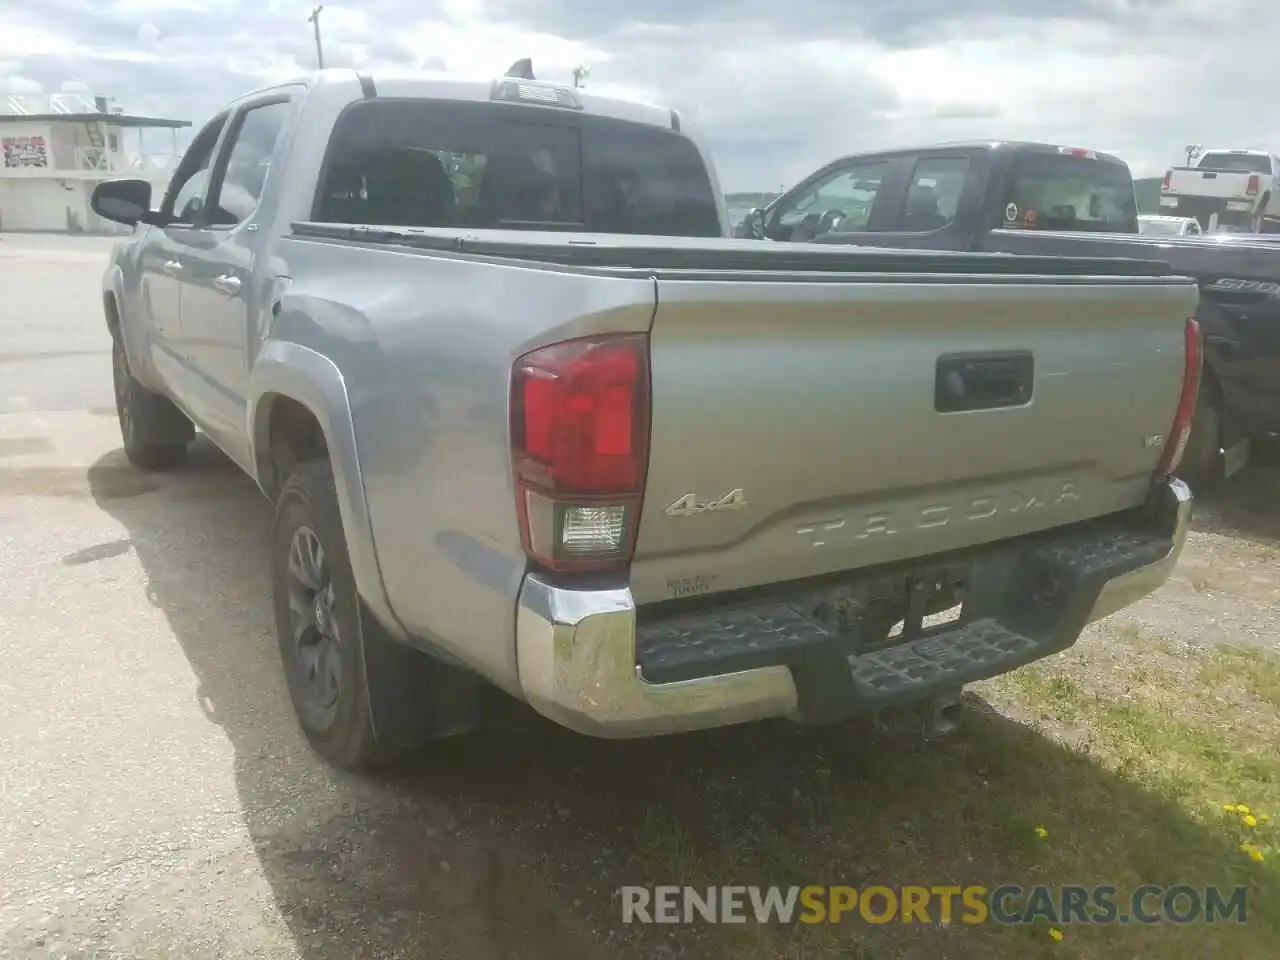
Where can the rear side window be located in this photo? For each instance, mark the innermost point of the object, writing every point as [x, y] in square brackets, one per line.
[432, 163]
[933, 196]
[1236, 162]
[1052, 191]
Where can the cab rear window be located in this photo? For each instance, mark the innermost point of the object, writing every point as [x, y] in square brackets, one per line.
[1063, 192]
[1235, 162]
[438, 163]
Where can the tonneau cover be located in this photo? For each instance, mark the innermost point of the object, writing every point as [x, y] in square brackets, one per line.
[694, 253]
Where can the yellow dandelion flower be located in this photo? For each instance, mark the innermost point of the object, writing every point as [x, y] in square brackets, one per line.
[1249, 820]
[1055, 934]
[1257, 855]
[1041, 832]
[1241, 808]
[1229, 807]
[1263, 818]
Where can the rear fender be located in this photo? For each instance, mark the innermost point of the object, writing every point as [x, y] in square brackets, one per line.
[285, 369]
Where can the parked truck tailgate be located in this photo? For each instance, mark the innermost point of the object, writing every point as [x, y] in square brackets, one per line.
[805, 425]
[1222, 184]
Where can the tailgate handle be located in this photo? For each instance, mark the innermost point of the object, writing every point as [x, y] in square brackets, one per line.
[983, 381]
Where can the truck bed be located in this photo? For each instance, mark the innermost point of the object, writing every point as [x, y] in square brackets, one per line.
[654, 254]
[832, 408]
[1242, 255]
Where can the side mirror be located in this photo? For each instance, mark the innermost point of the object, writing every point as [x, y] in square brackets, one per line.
[752, 225]
[193, 209]
[122, 201]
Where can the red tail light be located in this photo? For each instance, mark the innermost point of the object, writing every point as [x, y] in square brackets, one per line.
[1176, 445]
[1164, 186]
[580, 449]
[1255, 184]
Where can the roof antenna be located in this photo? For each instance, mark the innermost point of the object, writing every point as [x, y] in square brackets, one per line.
[522, 69]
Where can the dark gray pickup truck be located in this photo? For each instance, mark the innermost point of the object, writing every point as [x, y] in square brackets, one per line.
[529, 419]
[1035, 198]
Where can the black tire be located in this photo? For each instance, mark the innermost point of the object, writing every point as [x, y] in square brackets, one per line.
[1259, 222]
[338, 723]
[154, 432]
[1201, 464]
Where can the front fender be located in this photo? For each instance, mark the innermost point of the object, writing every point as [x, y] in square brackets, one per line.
[135, 334]
[285, 369]
[113, 281]
[113, 298]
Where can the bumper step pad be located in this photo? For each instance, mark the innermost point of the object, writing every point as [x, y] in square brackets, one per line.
[934, 661]
[1028, 600]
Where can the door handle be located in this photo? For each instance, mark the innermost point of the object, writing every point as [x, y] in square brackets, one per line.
[983, 381]
[227, 284]
[172, 267]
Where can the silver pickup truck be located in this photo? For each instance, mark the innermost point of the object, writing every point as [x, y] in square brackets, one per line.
[532, 422]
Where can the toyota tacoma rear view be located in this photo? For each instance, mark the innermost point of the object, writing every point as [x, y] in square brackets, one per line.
[531, 421]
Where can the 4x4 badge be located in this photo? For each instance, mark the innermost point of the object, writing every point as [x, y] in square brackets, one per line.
[690, 506]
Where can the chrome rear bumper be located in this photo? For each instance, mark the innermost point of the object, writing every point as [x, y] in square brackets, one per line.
[1172, 509]
[577, 649]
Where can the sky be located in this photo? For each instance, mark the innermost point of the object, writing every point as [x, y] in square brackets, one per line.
[777, 88]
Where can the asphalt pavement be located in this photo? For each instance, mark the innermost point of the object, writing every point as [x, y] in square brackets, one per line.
[156, 797]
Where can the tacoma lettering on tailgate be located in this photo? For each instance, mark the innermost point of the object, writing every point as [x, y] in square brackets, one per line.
[887, 523]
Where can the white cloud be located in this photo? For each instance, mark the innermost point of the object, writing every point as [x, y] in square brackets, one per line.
[16, 84]
[21, 40]
[779, 89]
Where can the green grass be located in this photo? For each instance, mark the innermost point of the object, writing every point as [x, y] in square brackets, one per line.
[1137, 798]
[1256, 672]
[1127, 751]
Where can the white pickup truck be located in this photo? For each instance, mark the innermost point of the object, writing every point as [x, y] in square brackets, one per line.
[1225, 188]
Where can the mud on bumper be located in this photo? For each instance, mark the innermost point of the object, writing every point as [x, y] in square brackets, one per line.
[587, 660]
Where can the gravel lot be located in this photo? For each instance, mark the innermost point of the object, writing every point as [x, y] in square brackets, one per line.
[157, 800]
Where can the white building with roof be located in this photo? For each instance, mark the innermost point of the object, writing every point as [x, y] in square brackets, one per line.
[54, 148]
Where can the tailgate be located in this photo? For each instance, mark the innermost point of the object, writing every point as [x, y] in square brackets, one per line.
[1225, 184]
[803, 426]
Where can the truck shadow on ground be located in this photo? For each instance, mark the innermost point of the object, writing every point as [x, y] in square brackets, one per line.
[512, 844]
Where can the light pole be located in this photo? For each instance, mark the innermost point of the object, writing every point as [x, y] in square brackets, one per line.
[580, 74]
[315, 19]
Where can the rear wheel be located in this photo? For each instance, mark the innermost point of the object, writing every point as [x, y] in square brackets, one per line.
[318, 623]
[361, 698]
[155, 433]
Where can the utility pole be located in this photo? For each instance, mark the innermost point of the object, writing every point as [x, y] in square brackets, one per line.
[315, 19]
